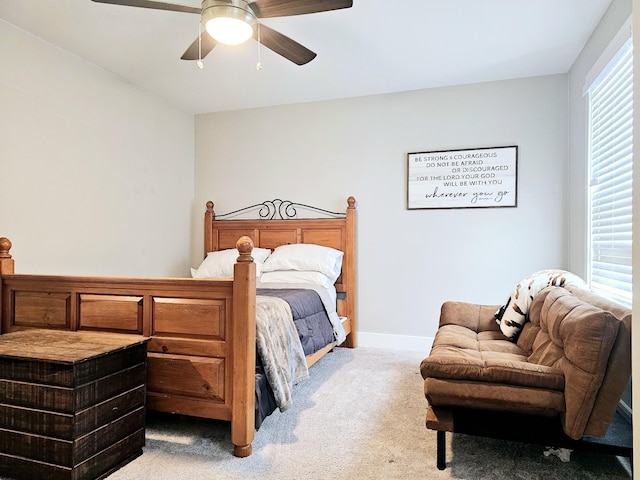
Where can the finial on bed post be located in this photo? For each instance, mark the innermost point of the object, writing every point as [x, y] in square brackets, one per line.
[6, 262]
[245, 247]
[210, 208]
[351, 202]
[5, 246]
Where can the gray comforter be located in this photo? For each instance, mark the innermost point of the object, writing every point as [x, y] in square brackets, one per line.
[279, 348]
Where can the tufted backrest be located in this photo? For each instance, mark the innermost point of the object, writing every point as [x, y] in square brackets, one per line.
[574, 333]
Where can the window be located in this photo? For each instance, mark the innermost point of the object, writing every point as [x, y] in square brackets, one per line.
[610, 154]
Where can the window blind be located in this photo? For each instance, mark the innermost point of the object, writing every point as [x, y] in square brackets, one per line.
[610, 151]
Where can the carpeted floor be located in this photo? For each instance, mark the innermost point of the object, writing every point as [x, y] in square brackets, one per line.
[360, 416]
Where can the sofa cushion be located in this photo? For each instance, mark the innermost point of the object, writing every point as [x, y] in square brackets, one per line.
[459, 353]
[575, 337]
[478, 318]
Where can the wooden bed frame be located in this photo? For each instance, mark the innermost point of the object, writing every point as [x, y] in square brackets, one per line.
[202, 352]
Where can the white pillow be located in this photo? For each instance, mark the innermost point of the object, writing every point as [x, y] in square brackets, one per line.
[296, 276]
[220, 264]
[306, 257]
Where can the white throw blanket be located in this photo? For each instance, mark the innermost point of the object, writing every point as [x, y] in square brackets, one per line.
[279, 348]
[515, 312]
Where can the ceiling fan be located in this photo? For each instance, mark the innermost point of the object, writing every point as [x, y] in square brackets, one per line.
[243, 15]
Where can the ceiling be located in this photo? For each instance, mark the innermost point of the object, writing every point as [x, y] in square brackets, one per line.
[377, 46]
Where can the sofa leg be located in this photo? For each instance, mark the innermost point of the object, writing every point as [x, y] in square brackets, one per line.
[441, 450]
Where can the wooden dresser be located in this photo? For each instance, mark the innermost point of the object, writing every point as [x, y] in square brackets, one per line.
[72, 404]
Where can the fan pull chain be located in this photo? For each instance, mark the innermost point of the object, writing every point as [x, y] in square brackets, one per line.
[200, 64]
[259, 64]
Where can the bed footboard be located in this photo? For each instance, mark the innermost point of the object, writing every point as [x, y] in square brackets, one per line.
[201, 356]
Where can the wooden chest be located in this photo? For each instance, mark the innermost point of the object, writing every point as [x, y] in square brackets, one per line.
[72, 404]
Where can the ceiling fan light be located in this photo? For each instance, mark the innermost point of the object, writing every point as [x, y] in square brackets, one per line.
[228, 30]
[229, 22]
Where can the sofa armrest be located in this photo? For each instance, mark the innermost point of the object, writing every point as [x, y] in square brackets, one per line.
[476, 317]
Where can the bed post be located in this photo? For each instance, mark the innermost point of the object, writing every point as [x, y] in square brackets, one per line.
[243, 341]
[209, 215]
[6, 262]
[350, 272]
[6, 268]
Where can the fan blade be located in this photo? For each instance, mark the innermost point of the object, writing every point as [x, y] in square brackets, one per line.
[154, 5]
[200, 47]
[287, 8]
[282, 45]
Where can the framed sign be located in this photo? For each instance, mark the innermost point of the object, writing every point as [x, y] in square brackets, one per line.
[469, 178]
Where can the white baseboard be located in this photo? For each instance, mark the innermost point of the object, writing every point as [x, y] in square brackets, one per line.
[395, 342]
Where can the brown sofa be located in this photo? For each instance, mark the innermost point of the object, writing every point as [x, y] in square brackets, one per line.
[567, 369]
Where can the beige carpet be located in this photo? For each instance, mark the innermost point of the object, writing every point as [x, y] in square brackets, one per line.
[359, 416]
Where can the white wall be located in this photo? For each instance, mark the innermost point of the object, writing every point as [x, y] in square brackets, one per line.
[409, 262]
[96, 176]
